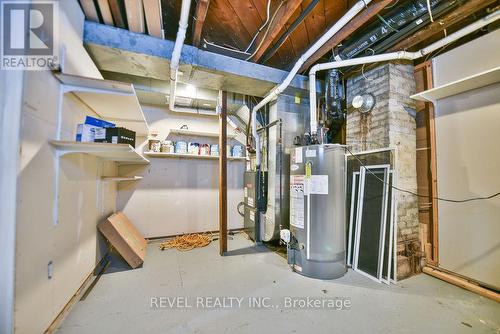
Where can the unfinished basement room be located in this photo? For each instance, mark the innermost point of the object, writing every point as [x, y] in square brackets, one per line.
[250, 166]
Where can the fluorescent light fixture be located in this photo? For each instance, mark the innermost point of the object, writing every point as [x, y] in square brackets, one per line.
[191, 90]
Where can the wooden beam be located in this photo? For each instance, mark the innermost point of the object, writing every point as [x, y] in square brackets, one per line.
[199, 20]
[89, 10]
[431, 126]
[223, 175]
[426, 166]
[152, 9]
[117, 10]
[357, 22]
[460, 282]
[135, 15]
[440, 24]
[105, 12]
[282, 17]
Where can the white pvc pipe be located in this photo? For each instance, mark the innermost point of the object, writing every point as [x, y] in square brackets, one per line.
[389, 56]
[351, 13]
[176, 53]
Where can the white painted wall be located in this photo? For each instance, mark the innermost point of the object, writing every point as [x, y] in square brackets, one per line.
[73, 245]
[179, 196]
[468, 163]
[11, 92]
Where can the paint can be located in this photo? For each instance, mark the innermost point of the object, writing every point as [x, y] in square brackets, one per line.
[181, 147]
[154, 144]
[204, 149]
[214, 149]
[194, 148]
[167, 146]
[237, 151]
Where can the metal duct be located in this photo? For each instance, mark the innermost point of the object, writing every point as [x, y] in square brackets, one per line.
[389, 24]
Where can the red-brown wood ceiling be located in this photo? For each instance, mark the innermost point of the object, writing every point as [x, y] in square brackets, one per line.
[234, 23]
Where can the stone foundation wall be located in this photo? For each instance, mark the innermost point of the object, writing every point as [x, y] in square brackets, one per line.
[391, 123]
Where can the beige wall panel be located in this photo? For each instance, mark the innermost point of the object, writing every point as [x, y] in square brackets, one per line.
[73, 245]
[480, 55]
[468, 164]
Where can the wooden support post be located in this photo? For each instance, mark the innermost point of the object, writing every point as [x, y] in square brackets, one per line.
[432, 169]
[223, 174]
[426, 166]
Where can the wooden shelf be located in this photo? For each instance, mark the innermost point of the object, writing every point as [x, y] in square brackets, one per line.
[120, 178]
[123, 153]
[189, 156]
[456, 87]
[184, 132]
[112, 100]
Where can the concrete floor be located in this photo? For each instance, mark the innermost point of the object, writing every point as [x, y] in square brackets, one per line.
[121, 300]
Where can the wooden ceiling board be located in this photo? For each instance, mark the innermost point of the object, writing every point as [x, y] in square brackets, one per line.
[284, 13]
[222, 17]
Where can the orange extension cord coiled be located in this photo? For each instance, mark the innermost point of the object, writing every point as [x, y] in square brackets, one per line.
[188, 242]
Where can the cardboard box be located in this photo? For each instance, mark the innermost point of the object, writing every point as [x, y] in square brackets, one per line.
[125, 238]
[98, 122]
[86, 133]
[100, 135]
[120, 136]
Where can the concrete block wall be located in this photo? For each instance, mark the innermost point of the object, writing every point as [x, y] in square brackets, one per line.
[391, 123]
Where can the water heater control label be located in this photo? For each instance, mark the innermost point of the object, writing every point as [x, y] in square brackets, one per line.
[318, 184]
[297, 200]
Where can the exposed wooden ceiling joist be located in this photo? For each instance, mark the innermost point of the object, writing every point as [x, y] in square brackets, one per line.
[107, 18]
[152, 9]
[199, 20]
[116, 7]
[279, 22]
[135, 15]
[455, 16]
[89, 9]
[362, 18]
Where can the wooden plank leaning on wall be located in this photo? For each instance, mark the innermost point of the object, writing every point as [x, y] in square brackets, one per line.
[426, 166]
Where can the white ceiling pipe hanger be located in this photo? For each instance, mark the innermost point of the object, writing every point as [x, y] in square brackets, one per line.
[389, 56]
